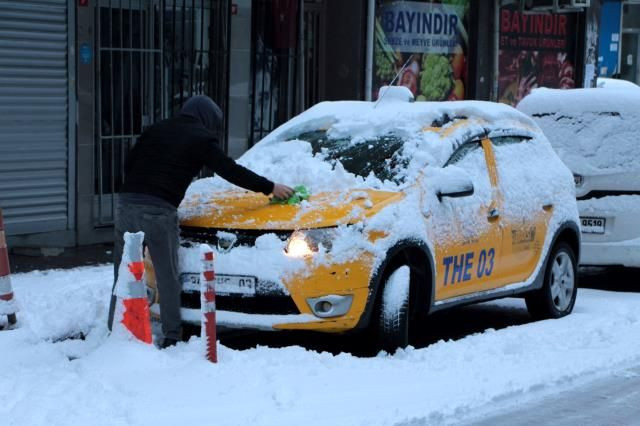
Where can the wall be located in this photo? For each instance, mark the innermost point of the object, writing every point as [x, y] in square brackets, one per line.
[239, 78]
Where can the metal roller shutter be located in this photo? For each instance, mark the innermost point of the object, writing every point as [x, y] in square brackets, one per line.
[34, 142]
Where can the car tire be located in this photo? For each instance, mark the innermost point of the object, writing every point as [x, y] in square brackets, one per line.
[393, 315]
[557, 296]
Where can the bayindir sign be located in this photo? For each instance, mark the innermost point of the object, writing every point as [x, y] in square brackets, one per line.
[535, 50]
[543, 31]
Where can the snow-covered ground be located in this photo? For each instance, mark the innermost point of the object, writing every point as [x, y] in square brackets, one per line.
[106, 380]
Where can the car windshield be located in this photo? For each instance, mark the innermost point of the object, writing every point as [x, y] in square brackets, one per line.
[381, 156]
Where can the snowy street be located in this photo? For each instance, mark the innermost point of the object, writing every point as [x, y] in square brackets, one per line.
[612, 400]
[458, 372]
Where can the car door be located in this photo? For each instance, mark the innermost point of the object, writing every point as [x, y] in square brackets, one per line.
[526, 206]
[467, 230]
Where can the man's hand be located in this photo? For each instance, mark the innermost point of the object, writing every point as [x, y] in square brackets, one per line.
[282, 191]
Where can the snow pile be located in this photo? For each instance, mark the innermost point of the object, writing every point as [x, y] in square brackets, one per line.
[594, 131]
[117, 382]
[396, 291]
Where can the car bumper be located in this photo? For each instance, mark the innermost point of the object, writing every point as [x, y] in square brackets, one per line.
[625, 253]
[304, 320]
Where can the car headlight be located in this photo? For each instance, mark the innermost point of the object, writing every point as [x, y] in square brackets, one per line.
[305, 243]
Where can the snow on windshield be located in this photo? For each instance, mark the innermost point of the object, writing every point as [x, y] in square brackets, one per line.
[290, 154]
[594, 131]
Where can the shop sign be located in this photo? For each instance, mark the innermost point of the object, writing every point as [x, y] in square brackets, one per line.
[535, 50]
[429, 40]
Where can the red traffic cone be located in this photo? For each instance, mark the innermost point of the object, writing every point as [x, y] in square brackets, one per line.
[8, 305]
[130, 289]
[208, 303]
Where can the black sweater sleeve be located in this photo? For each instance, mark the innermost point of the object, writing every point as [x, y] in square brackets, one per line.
[229, 170]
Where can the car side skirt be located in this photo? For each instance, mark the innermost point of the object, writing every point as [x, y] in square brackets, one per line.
[515, 289]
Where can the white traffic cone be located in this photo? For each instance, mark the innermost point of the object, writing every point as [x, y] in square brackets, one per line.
[132, 307]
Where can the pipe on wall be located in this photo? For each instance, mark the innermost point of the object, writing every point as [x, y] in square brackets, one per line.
[368, 78]
[496, 49]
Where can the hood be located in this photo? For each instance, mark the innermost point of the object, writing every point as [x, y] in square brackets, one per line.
[203, 109]
[246, 210]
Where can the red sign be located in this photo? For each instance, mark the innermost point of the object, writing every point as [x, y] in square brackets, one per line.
[83, 3]
[536, 50]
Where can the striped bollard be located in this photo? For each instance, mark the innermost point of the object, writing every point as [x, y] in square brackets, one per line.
[208, 303]
[8, 305]
[133, 312]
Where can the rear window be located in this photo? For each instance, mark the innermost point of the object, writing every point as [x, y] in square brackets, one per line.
[593, 142]
[594, 131]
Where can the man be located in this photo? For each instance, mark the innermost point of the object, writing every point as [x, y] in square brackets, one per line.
[159, 169]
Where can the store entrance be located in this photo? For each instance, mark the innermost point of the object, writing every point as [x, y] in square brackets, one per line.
[630, 54]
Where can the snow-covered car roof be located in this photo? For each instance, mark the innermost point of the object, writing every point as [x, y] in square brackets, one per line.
[361, 119]
[594, 131]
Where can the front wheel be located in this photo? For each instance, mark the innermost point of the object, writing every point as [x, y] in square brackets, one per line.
[393, 316]
[557, 296]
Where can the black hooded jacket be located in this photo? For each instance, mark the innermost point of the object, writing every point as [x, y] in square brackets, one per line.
[170, 153]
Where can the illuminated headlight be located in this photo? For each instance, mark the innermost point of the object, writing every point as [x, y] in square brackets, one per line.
[578, 180]
[305, 243]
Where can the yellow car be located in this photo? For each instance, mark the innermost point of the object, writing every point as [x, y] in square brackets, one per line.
[414, 207]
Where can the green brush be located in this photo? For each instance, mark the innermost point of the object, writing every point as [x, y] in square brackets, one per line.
[300, 193]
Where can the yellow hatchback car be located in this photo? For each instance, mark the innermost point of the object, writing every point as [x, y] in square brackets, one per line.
[414, 207]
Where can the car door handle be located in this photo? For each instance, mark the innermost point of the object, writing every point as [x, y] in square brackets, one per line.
[493, 214]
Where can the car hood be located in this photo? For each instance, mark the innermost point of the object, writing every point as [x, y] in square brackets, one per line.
[244, 210]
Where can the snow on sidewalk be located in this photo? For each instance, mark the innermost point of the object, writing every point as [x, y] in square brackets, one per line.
[114, 382]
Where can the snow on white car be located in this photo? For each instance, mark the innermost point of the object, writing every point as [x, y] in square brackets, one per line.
[596, 133]
[415, 207]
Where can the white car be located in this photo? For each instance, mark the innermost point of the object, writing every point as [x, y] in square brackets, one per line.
[614, 83]
[597, 134]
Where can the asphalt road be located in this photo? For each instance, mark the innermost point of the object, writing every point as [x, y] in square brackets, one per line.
[610, 401]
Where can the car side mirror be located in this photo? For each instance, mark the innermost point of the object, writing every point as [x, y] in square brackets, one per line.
[454, 183]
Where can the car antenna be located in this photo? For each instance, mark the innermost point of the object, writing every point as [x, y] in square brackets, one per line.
[394, 80]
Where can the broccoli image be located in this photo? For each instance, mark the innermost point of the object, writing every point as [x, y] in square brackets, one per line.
[435, 78]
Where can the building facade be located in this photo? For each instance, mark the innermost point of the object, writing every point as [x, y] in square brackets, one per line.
[80, 79]
[619, 50]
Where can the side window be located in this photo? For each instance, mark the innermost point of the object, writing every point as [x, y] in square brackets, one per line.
[462, 151]
[509, 140]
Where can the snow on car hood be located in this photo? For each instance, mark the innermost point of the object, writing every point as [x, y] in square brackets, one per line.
[245, 210]
[283, 158]
[594, 131]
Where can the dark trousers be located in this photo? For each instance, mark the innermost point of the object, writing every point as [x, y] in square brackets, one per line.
[161, 236]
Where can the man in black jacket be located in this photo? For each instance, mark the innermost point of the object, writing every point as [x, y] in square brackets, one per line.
[159, 169]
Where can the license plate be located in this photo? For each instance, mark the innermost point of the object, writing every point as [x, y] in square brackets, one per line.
[593, 225]
[225, 284]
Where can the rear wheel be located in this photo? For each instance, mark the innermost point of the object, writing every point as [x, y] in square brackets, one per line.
[393, 316]
[558, 294]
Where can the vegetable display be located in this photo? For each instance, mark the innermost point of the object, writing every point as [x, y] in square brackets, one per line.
[436, 77]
